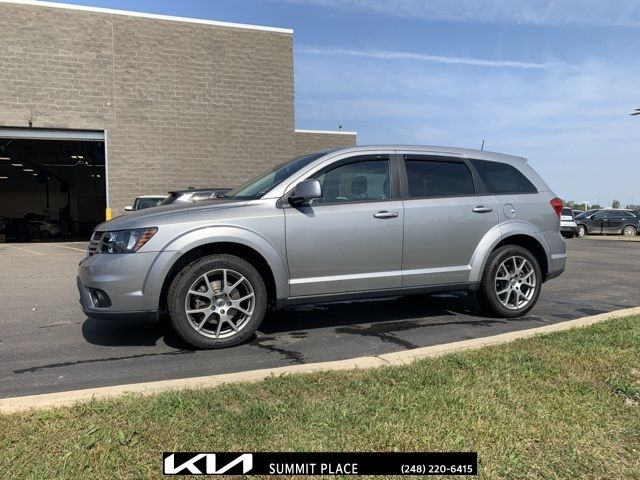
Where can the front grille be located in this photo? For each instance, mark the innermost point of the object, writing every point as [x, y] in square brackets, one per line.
[94, 243]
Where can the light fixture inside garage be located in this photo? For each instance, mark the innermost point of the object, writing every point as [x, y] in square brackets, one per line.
[5, 158]
[27, 169]
[16, 165]
[4, 178]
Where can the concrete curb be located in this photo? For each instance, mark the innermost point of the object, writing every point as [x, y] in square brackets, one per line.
[60, 399]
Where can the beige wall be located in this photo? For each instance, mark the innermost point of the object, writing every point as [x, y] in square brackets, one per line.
[183, 103]
[312, 141]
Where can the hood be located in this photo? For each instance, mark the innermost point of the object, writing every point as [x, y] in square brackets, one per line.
[165, 214]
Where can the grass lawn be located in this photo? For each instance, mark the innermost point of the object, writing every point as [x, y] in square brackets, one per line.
[565, 405]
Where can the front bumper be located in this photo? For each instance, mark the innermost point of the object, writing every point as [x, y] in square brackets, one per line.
[127, 280]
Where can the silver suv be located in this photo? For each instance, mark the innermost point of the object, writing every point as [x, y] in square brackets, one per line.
[334, 225]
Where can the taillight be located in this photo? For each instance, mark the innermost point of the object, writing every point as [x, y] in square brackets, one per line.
[556, 204]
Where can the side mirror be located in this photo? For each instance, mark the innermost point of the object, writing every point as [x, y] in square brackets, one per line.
[305, 191]
[128, 208]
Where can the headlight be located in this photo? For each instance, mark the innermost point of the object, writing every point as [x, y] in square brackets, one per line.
[125, 241]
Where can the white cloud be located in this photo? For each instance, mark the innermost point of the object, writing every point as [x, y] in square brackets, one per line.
[537, 12]
[423, 57]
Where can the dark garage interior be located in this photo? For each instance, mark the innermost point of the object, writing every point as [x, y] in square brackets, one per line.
[50, 189]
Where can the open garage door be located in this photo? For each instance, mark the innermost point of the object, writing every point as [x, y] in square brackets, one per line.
[52, 184]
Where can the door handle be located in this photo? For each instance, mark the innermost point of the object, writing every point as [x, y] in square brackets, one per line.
[385, 214]
[481, 209]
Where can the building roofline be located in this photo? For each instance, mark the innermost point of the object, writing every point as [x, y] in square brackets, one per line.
[327, 132]
[111, 11]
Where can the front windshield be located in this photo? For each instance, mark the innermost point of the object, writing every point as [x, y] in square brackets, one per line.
[258, 186]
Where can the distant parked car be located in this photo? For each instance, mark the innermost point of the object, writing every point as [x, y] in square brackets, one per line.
[568, 225]
[609, 221]
[145, 201]
[194, 195]
[585, 214]
[42, 229]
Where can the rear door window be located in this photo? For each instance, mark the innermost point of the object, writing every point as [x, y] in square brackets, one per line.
[433, 178]
[502, 178]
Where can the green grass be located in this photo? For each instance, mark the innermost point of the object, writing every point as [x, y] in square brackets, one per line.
[565, 405]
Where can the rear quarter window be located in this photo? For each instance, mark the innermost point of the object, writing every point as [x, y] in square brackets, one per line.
[501, 178]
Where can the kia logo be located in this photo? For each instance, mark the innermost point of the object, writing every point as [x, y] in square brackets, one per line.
[205, 464]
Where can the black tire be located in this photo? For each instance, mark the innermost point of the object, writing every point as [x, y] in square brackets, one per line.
[44, 234]
[570, 235]
[487, 296]
[581, 231]
[180, 287]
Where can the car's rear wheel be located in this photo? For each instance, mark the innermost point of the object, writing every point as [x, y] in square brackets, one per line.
[511, 282]
[629, 231]
[581, 231]
[217, 301]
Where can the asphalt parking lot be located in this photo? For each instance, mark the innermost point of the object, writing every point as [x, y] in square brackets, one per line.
[47, 344]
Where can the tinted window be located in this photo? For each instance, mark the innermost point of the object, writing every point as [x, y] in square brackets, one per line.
[355, 181]
[614, 214]
[429, 178]
[503, 178]
[567, 212]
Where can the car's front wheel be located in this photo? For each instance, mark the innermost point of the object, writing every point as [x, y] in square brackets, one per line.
[217, 301]
[581, 231]
[511, 282]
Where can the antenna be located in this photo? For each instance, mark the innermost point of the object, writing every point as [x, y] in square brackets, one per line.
[482, 146]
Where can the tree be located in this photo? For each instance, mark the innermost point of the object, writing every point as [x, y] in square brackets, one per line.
[615, 204]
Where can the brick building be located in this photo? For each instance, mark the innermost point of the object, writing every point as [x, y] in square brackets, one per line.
[142, 103]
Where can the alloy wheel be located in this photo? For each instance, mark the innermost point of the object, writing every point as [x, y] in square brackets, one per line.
[515, 282]
[220, 303]
[629, 231]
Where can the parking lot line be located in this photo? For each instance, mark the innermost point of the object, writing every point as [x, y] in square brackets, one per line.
[33, 252]
[70, 248]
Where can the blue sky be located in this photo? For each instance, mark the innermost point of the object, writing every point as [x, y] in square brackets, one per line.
[551, 80]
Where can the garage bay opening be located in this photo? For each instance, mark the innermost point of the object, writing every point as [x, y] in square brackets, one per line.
[52, 184]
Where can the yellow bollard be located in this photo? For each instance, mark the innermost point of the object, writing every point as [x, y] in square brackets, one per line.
[108, 214]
